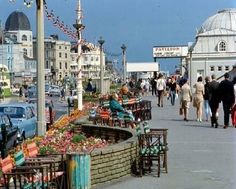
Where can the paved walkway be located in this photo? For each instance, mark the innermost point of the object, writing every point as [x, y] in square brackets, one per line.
[199, 156]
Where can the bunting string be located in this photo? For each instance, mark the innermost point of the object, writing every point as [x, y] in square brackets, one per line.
[51, 16]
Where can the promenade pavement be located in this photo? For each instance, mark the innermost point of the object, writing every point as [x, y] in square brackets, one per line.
[199, 156]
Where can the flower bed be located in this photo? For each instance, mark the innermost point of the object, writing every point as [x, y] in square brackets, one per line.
[63, 138]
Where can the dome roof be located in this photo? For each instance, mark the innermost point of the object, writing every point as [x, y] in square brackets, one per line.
[17, 21]
[224, 19]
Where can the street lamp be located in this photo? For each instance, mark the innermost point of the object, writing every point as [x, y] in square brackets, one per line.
[101, 42]
[79, 27]
[123, 47]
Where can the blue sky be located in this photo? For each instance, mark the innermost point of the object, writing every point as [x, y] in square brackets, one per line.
[139, 24]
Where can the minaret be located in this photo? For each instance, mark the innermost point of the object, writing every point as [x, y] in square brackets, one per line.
[79, 27]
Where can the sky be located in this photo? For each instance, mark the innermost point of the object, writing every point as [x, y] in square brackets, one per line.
[139, 24]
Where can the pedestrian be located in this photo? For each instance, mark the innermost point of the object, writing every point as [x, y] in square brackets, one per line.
[198, 98]
[233, 111]
[1, 93]
[154, 84]
[206, 98]
[173, 90]
[214, 100]
[185, 99]
[89, 87]
[62, 93]
[226, 89]
[161, 87]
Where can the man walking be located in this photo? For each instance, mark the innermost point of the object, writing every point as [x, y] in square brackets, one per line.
[226, 89]
[214, 100]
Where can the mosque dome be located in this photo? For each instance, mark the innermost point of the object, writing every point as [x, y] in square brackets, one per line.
[17, 21]
[222, 20]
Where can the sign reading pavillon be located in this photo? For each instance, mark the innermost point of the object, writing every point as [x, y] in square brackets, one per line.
[170, 51]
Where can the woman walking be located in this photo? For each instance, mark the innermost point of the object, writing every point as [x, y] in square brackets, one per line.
[198, 98]
[185, 99]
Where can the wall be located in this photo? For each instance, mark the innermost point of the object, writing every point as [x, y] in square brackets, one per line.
[115, 161]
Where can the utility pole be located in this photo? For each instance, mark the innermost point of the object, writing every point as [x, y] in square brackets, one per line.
[41, 123]
[79, 27]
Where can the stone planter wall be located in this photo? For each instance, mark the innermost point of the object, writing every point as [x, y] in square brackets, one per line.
[115, 161]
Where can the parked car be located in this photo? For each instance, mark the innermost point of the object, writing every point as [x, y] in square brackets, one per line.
[22, 116]
[54, 90]
[8, 134]
[47, 87]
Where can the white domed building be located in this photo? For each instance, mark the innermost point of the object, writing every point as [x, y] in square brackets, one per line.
[214, 50]
[18, 48]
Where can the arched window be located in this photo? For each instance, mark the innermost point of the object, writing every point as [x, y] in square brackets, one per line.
[222, 46]
[25, 51]
[24, 38]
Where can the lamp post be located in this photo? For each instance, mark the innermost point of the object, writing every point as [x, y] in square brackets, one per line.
[79, 27]
[41, 123]
[101, 42]
[123, 47]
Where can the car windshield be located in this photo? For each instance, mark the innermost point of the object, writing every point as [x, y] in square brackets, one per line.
[13, 112]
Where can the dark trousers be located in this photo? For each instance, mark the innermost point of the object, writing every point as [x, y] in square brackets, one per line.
[214, 107]
[154, 90]
[226, 108]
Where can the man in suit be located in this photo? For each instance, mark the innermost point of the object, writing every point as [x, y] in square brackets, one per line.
[214, 100]
[226, 89]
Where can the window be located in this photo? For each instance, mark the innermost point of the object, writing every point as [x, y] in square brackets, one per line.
[66, 65]
[60, 65]
[226, 68]
[60, 54]
[24, 38]
[219, 68]
[25, 51]
[222, 46]
[65, 55]
[59, 47]
[96, 58]
[47, 64]
[14, 37]
[86, 58]
[212, 68]
[65, 47]
[91, 58]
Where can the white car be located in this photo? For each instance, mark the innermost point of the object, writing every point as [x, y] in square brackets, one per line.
[54, 90]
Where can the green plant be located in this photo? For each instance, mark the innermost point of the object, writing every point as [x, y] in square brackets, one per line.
[46, 150]
[78, 138]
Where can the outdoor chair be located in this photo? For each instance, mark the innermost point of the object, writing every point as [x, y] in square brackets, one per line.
[149, 152]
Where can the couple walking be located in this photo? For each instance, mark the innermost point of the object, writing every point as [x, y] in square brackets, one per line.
[186, 98]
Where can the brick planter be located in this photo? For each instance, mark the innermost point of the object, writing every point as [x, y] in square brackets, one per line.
[114, 161]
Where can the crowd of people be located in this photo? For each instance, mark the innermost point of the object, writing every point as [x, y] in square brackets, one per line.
[206, 96]
[210, 94]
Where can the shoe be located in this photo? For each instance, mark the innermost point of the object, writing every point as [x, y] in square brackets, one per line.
[185, 119]
[216, 125]
[158, 105]
[225, 127]
[200, 120]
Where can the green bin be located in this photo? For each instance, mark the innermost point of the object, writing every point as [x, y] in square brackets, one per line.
[78, 171]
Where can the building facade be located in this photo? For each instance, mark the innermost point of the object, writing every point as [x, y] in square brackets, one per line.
[57, 59]
[17, 48]
[214, 49]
